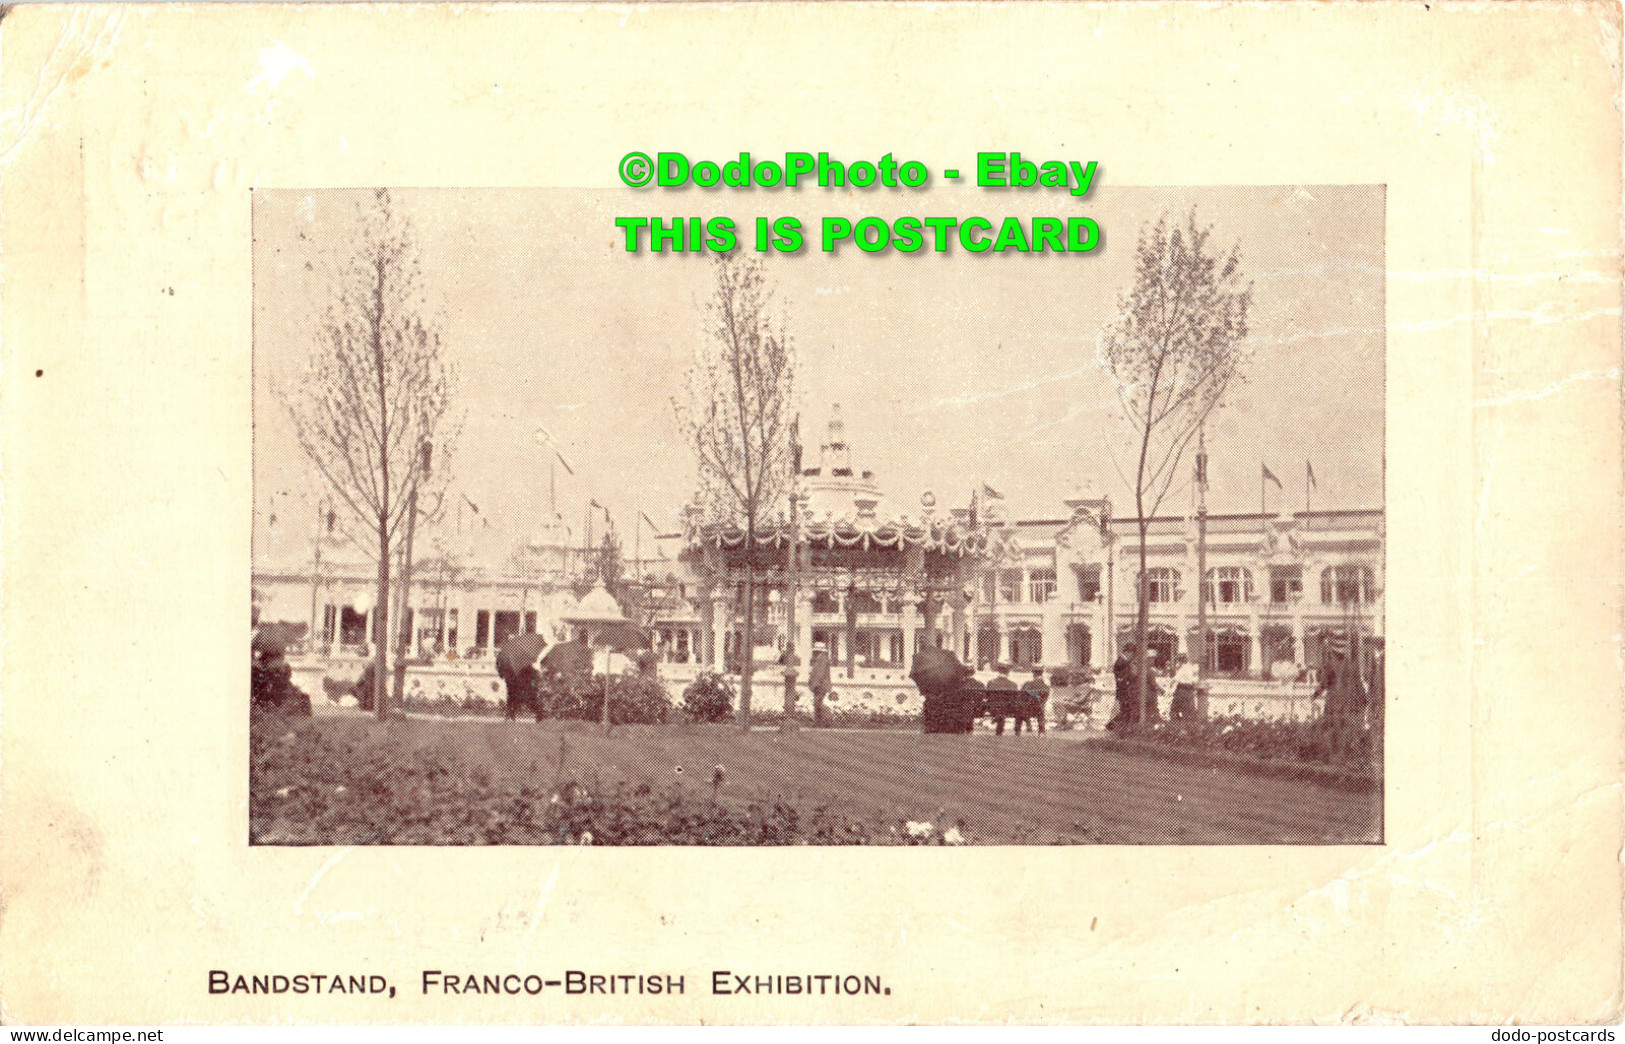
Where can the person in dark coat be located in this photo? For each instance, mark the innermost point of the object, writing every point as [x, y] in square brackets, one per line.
[1128, 705]
[1002, 701]
[524, 690]
[1037, 693]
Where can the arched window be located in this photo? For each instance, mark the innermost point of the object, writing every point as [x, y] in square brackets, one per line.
[1347, 584]
[1228, 585]
[987, 644]
[1026, 646]
[1162, 584]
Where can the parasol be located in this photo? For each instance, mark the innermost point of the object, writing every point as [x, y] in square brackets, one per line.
[568, 659]
[519, 652]
[937, 672]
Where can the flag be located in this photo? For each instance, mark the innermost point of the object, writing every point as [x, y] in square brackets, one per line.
[1269, 476]
[566, 463]
[473, 506]
[649, 520]
[990, 493]
[1310, 469]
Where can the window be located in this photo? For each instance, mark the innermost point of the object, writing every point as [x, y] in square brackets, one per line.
[1041, 585]
[1162, 584]
[1026, 646]
[987, 645]
[1228, 652]
[1347, 584]
[1286, 583]
[1228, 585]
[988, 587]
[429, 622]
[825, 602]
[1088, 583]
[1009, 585]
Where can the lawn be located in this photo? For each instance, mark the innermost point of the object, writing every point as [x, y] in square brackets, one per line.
[351, 779]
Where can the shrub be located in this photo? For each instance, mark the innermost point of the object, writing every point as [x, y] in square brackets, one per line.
[709, 698]
[271, 686]
[638, 699]
[1312, 741]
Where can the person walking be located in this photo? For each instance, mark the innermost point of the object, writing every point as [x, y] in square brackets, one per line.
[1002, 700]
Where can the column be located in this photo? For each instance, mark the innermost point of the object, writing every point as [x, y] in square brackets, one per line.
[700, 649]
[1004, 641]
[957, 621]
[1297, 634]
[850, 642]
[908, 603]
[719, 628]
[1257, 641]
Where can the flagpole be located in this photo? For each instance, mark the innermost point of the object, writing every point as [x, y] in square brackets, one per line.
[1308, 480]
[1261, 510]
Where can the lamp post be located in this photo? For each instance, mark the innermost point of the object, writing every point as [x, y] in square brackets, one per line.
[793, 585]
[324, 513]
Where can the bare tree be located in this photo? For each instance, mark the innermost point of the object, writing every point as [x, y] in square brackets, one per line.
[737, 418]
[1172, 351]
[374, 398]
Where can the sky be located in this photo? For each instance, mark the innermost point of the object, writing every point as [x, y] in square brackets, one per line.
[950, 370]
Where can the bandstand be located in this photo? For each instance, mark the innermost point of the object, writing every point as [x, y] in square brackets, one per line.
[874, 584]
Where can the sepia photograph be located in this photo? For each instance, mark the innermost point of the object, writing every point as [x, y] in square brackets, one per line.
[780, 514]
[558, 542]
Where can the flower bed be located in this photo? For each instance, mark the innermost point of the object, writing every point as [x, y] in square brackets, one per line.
[843, 718]
[307, 789]
[1263, 744]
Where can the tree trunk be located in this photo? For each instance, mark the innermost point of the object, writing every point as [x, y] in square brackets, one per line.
[380, 628]
[749, 643]
[1141, 626]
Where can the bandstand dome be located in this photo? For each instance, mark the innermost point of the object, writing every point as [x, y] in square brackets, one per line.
[597, 606]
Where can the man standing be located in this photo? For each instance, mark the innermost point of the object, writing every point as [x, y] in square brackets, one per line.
[1002, 700]
[1128, 704]
[818, 680]
[1037, 694]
